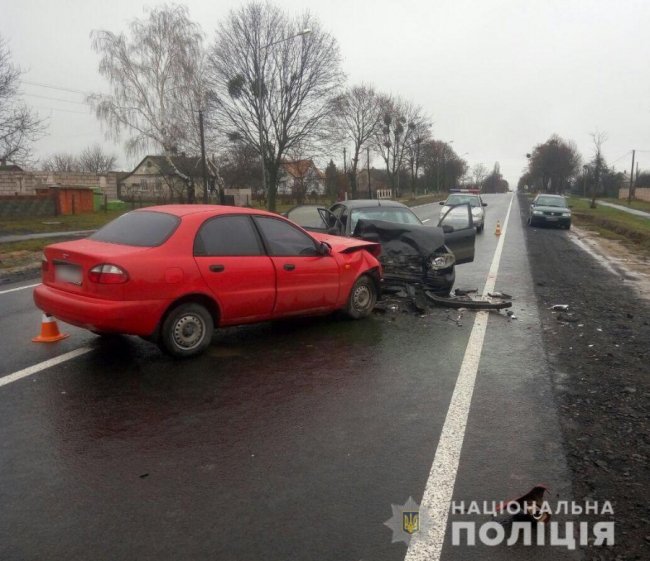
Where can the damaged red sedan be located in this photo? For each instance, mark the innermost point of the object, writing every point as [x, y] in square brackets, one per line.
[171, 274]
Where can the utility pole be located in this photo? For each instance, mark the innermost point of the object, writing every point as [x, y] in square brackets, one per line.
[203, 166]
[368, 155]
[630, 192]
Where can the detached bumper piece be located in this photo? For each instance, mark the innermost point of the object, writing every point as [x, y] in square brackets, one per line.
[466, 302]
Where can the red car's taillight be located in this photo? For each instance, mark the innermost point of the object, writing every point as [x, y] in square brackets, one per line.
[107, 274]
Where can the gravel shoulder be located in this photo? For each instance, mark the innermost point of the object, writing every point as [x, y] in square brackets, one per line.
[599, 352]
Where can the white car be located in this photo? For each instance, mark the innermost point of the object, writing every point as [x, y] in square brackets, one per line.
[471, 197]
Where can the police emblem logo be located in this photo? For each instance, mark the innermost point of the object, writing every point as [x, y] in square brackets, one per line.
[408, 522]
[411, 522]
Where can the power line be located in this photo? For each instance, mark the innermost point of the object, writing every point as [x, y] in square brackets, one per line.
[55, 99]
[52, 87]
[623, 156]
[59, 109]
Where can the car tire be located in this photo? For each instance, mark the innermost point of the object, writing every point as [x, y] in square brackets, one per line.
[480, 228]
[186, 331]
[362, 299]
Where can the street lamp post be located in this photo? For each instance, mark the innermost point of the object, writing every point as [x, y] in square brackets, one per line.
[261, 100]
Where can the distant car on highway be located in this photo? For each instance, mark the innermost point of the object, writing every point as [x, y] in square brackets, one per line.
[471, 197]
[411, 251]
[173, 273]
[550, 209]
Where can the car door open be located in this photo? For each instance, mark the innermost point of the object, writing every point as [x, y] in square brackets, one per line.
[458, 227]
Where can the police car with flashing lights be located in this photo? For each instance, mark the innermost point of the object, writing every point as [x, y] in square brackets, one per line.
[467, 196]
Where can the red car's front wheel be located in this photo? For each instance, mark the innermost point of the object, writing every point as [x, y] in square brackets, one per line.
[363, 298]
[187, 330]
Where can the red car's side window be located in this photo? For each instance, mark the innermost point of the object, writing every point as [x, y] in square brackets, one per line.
[283, 239]
[227, 235]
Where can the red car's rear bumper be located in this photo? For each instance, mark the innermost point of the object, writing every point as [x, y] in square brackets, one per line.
[130, 317]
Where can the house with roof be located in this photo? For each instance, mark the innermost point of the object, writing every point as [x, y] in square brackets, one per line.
[300, 178]
[166, 179]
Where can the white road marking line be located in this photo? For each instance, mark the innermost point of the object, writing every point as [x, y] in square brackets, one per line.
[426, 220]
[19, 288]
[43, 365]
[439, 490]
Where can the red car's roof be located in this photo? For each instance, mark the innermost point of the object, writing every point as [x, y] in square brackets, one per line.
[184, 210]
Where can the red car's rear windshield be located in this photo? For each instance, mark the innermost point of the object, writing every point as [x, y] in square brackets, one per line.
[142, 229]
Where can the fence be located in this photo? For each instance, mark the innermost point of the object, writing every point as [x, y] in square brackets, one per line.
[384, 193]
[640, 193]
[20, 207]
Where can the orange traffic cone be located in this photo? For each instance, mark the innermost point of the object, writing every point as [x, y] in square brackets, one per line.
[49, 331]
[497, 232]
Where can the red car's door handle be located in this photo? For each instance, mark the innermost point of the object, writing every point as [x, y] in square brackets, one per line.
[289, 267]
[216, 268]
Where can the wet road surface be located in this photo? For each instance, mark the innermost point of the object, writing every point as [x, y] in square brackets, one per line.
[285, 440]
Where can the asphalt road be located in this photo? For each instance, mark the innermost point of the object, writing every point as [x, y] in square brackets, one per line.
[284, 441]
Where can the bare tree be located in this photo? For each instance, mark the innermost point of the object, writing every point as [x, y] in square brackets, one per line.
[271, 82]
[598, 163]
[356, 117]
[155, 73]
[421, 133]
[95, 160]
[61, 162]
[554, 163]
[401, 122]
[239, 166]
[479, 173]
[441, 165]
[19, 126]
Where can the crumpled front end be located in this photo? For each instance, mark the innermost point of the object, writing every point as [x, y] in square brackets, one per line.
[411, 254]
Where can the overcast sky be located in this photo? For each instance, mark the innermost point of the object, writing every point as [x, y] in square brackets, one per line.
[495, 76]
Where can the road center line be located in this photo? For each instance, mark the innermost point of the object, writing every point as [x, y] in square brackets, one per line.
[43, 365]
[438, 492]
[19, 288]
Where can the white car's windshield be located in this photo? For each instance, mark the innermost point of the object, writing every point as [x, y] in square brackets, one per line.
[473, 200]
[387, 214]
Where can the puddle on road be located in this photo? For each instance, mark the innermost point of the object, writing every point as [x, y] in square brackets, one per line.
[616, 258]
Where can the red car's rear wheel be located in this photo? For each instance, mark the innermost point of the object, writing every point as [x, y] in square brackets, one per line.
[187, 330]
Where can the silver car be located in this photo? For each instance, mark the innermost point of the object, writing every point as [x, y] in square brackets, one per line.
[474, 200]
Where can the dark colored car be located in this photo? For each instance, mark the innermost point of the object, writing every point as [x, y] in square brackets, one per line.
[550, 209]
[411, 251]
[173, 273]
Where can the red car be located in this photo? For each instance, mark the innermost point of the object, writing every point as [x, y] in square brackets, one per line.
[171, 274]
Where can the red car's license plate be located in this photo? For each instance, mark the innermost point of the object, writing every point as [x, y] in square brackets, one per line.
[64, 272]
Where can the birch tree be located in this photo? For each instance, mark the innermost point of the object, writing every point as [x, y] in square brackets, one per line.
[155, 76]
[20, 127]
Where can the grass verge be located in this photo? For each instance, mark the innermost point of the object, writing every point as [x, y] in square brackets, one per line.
[90, 221]
[610, 223]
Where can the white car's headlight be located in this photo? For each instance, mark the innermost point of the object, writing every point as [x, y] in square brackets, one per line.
[538, 212]
[442, 261]
[566, 214]
[477, 211]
